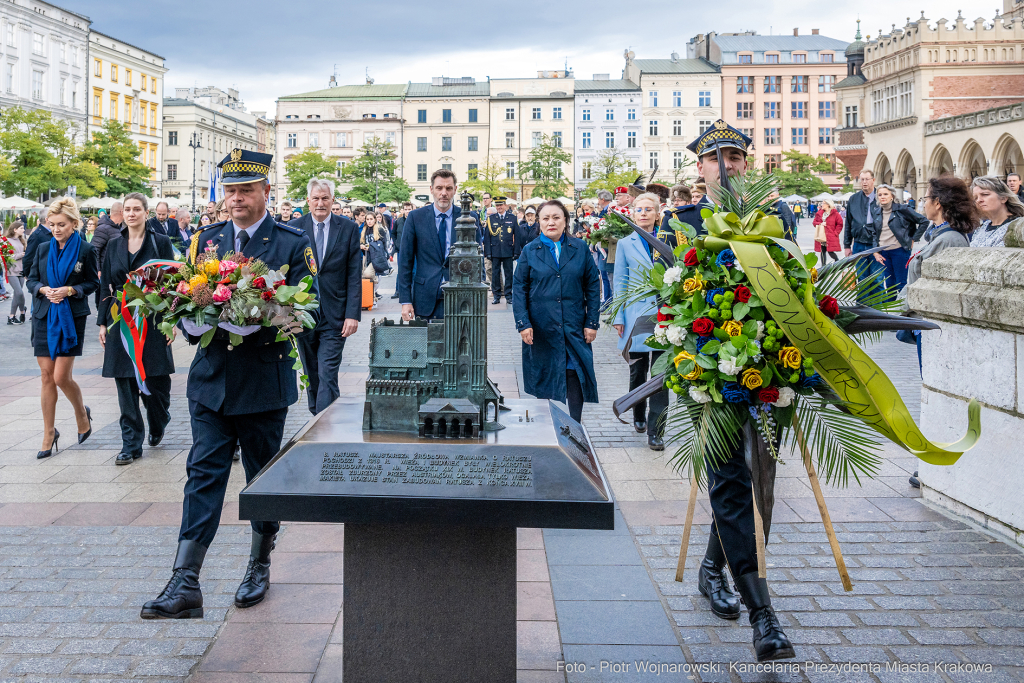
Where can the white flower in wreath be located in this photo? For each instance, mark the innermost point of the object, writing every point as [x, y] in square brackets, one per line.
[673, 275]
[786, 396]
[728, 365]
[676, 334]
[736, 266]
[661, 333]
[699, 396]
[760, 331]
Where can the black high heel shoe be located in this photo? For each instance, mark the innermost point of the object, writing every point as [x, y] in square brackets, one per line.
[86, 435]
[53, 447]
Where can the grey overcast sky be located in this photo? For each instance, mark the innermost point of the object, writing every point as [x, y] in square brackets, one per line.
[267, 48]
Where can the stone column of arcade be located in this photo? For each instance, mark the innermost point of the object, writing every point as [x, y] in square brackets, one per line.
[432, 474]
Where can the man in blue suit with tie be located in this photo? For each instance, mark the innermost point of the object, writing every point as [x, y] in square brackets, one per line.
[423, 256]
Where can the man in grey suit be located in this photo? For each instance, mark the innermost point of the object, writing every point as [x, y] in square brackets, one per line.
[335, 241]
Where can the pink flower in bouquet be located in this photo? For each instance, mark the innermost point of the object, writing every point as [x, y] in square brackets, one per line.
[228, 267]
[221, 294]
[183, 288]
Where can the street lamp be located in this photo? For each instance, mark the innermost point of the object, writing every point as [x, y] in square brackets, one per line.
[195, 143]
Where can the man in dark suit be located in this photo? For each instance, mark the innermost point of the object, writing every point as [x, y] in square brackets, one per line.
[183, 235]
[499, 247]
[427, 238]
[237, 394]
[335, 242]
[863, 222]
[163, 223]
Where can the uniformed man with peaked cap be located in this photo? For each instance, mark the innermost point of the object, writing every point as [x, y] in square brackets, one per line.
[499, 248]
[237, 395]
[721, 154]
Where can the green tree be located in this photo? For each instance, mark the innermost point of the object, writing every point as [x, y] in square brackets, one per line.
[544, 168]
[372, 174]
[39, 155]
[116, 155]
[490, 177]
[799, 174]
[304, 166]
[609, 170]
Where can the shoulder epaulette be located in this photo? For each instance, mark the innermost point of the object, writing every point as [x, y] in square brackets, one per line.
[290, 228]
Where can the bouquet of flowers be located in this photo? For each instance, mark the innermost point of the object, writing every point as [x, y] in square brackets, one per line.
[7, 251]
[236, 293]
[611, 226]
[754, 335]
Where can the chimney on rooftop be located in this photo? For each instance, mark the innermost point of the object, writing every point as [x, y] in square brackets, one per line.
[675, 57]
[796, 32]
[333, 83]
[814, 31]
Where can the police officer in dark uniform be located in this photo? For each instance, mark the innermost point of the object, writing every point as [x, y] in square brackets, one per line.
[732, 537]
[499, 247]
[689, 214]
[236, 394]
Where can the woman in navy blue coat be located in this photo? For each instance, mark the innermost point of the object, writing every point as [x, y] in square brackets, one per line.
[556, 298]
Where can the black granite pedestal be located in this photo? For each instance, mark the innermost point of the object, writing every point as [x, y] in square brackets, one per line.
[429, 603]
[430, 531]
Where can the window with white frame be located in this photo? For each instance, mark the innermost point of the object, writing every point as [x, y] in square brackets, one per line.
[389, 137]
[536, 113]
[341, 139]
[586, 170]
[37, 85]
[652, 98]
[510, 114]
[704, 98]
[703, 125]
[556, 113]
[677, 127]
[652, 127]
[586, 114]
[677, 159]
[510, 139]
[38, 46]
[652, 160]
[10, 34]
[631, 139]
[510, 169]
[314, 139]
[609, 114]
[556, 138]
[63, 91]
[677, 98]
[9, 78]
[631, 114]
[172, 171]
[293, 140]
[585, 139]
[536, 138]
[609, 140]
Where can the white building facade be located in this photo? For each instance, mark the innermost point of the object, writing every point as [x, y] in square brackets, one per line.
[217, 130]
[44, 53]
[608, 115]
[681, 99]
[127, 86]
[526, 110]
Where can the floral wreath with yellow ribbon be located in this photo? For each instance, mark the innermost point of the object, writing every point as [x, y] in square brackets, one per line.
[753, 333]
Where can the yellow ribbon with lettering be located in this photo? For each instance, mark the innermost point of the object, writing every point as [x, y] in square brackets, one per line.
[844, 366]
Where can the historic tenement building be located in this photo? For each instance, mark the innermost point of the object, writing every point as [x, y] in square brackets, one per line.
[922, 101]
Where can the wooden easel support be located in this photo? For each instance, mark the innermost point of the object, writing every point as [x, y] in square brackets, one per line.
[687, 525]
[837, 553]
[762, 569]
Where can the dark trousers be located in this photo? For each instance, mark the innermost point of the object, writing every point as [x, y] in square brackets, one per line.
[157, 405]
[321, 355]
[658, 402]
[436, 314]
[499, 265]
[732, 506]
[895, 267]
[867, 267]
[823, 254]
[214, 436]
[574, 395]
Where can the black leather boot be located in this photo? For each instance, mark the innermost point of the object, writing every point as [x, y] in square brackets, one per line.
[181, 598]
[257, 575]
[769, 641]
[713, 583]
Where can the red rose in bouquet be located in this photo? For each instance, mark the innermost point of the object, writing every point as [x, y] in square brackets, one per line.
[663, 317]
[690, 258]
[742, 294]
[260, 283]
[703, 326]
[829, 306]
[768, 395]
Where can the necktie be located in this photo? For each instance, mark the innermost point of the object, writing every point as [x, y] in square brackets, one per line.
[442, 234]
[243, 239]
[321, 247]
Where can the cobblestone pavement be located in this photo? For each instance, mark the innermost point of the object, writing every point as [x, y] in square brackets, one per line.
[76, 559]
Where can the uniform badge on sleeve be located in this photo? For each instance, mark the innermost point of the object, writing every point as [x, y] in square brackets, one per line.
[310, 261]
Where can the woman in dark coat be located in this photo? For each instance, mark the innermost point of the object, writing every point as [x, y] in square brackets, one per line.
[61, 275]
[137, 244]
[557, 303]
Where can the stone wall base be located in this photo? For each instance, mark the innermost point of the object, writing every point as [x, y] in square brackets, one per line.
[976, 516]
